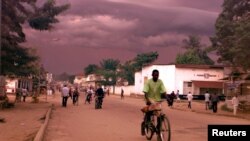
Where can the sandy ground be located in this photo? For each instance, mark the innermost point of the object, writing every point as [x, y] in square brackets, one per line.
[23, 120]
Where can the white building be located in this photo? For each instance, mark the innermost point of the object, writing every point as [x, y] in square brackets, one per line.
[194, 78]
[80, 80]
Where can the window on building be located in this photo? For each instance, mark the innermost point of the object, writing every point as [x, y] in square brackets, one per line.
[189, 84]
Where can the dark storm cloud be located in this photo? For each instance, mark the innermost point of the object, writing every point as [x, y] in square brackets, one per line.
[108, 28]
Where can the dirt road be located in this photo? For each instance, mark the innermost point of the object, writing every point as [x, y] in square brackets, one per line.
[120, 120]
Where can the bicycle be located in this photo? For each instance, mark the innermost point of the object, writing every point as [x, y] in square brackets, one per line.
[157, 123]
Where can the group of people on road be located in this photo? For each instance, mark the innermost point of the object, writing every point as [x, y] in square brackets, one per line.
[211, 101]
[91, 92]
[67, 92]
[74, 94]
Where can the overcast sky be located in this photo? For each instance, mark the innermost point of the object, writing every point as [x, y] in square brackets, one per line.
[93, 30]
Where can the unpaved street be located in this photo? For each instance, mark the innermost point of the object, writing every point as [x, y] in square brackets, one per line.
[120, 120]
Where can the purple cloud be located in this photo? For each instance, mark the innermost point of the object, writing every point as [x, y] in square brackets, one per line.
[92, 30]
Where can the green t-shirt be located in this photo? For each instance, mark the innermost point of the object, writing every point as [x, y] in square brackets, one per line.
[154, 89]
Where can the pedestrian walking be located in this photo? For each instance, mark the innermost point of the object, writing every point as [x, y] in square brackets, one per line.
[108, 91]
[235, 102]
[190, 98]
[65, 95]
[75, 96]
[172, 96]
[24, 94]
[214, 100]
[178, 95]
[207, 100]
[90, 92]
[122, 93]
[70, 93]
[99, 95]
[18, 95]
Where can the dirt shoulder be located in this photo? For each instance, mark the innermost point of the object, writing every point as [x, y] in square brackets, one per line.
[23, 120]
[199, 107]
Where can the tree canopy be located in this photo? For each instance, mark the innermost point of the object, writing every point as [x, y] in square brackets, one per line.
[195, 52]
[144, 59]
[233, 33]
[17, 59]
[112, 69]
[91, 69]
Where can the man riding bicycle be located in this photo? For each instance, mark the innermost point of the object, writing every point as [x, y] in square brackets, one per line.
[154, 91]
[100, 95]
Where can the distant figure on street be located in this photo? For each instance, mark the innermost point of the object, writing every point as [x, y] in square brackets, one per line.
[18, 95]
[207, 100]
[235, 102]
[214, 100]
[24, 93]
[178, 95]
[90, 92]
[108, 91]
[122, 93]
[65, 95]
[75, 96]
[70, 92]
[99, 94]
[190, 98]
[172, 96]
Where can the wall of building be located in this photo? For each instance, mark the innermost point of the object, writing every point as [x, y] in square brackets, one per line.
[11, 85]
[174, 78]
[128, 90]
[166, 74]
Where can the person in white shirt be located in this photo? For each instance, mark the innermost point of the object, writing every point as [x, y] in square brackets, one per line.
[190, 98]
[90, 93]
[207, 100]
[65, 95]
[235, 102]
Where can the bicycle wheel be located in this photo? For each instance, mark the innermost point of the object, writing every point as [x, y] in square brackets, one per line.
[165, 130]
[149, 130]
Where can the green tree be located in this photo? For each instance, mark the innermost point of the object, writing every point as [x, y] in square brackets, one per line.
[111, 70]
[144, 59]
[129, 68]
[14, 15]
[232, 37]
[195, 54]
[127, 72]
[109, 64]
[90, 69]
[108, 70]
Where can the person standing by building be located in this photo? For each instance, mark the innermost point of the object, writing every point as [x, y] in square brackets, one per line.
[178, 95]
[24, 94]
[190, 98]
[207, 100]
[235, 102]
[122, 93]
[108, 91]
[214, 100]
[65, 95]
